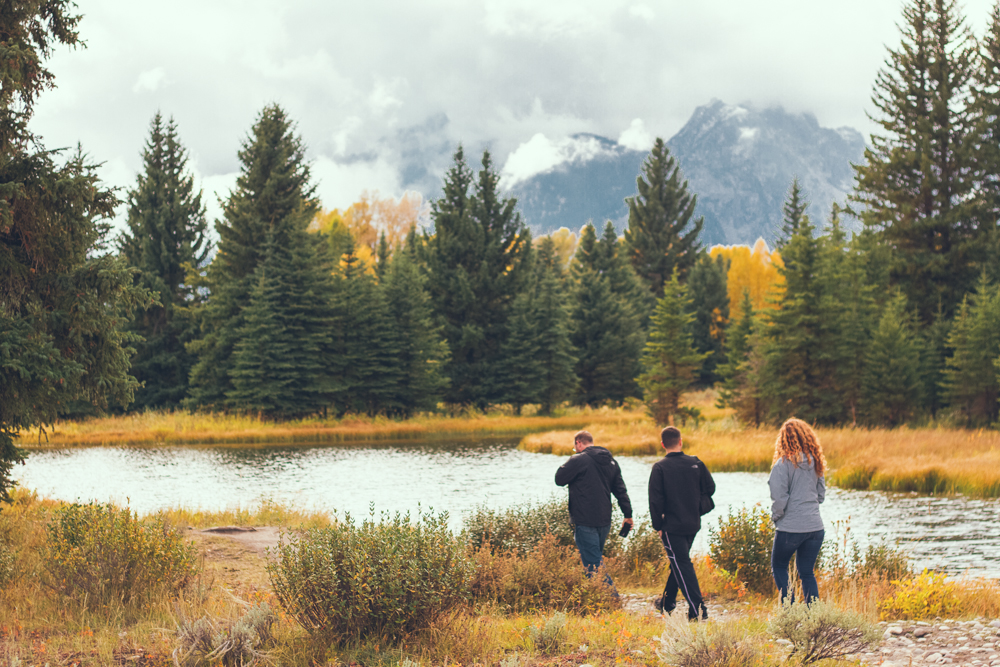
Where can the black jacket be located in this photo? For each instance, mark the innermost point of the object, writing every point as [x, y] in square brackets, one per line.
[593, 475]
[676, 485]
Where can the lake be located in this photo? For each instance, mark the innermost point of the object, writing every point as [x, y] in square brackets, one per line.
[955, 535]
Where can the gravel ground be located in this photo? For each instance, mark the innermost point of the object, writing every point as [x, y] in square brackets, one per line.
[905, 644]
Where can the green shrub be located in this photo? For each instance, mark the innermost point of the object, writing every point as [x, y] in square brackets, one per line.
[380, 579]
[741, 546]
[711, 645]
[104, 556]
[232, 644]
[549, 577]
[520, 528]
[820, 630]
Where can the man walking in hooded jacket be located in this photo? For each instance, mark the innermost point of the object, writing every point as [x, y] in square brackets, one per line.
[680, 491]
[593, 475]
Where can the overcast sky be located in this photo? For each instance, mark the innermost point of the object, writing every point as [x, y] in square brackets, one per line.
[383, 91]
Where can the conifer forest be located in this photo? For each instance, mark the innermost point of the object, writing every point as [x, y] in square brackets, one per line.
[396, 307]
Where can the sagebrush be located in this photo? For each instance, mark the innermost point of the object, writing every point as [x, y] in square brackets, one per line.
[106, 556]
[820, 630]
[382, 579]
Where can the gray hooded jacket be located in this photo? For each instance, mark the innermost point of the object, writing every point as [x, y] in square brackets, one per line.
[796, 493]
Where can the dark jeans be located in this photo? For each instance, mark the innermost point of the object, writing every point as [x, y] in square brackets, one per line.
[590, 541]
[805, 546]
[682, 576]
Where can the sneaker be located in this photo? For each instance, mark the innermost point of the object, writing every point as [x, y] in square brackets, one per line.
[658, 605]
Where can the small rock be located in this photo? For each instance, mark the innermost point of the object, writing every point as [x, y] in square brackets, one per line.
[921, 632]
[943, 627]
[995, 624]
[895, 630]
[934, 657]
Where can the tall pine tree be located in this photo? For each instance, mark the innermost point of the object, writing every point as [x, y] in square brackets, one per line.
[555, 358]
[64, 301]
[273, 195]
[478, 261]
[165, 239]
[742, 374]
[891, 379]
[662, 232]
[970, 383]
[707, 288]
[916, 182]
[670, 361]
[801, 334]
[793, 210]
[366, 344]
[606, 332]
[422, 352]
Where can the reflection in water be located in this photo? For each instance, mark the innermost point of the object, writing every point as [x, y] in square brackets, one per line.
[954, 534]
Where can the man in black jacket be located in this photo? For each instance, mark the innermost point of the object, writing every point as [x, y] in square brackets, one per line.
[593, 475]
[680, 491]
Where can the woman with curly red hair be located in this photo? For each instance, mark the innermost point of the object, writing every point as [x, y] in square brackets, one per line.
[798, 486]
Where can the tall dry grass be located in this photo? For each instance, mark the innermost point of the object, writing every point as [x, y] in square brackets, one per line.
[923, 460]
[165, 427]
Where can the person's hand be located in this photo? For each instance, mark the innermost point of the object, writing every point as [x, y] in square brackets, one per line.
[629, 522]
[661, 534]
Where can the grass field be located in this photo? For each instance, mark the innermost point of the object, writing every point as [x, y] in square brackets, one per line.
[923, 460]
[175, 428]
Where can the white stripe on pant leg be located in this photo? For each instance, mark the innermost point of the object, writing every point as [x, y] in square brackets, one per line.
[673, 562]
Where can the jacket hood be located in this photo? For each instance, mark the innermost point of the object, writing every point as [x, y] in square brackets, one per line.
[600, 454]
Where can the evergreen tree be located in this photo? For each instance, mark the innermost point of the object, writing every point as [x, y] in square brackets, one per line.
[520, 379]
[916, 182]
[662, 234]
[737, 348]
[478, 261]
[606, 332]
[710, 307]
[793, 210]
[366, 344]
[165, 239]
[422, 352]
[848, 312]
[986, 113]
[801, 336]
[263, 374]
[555, 359]
[64, 301]
[970, 383]
[891, 380]
[382, 256]
[670, 361]
[612, 260]
[272, 194]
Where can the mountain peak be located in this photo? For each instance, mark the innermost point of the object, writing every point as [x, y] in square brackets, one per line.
[738, 159]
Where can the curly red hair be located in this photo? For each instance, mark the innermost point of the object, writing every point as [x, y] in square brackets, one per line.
[796, 438]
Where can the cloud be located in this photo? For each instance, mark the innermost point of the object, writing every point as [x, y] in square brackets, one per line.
[636, 137]
[540, 154]
[386, 90]
[150, 80]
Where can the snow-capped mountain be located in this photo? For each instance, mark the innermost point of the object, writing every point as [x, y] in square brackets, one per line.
[739, 160]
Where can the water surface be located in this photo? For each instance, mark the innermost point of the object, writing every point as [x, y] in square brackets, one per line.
[952, 534]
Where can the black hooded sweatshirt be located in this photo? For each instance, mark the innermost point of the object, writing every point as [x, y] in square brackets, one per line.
[593, 475]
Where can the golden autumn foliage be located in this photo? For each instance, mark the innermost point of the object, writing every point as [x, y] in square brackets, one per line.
[564, 242]
[754, 269]
[371, 216]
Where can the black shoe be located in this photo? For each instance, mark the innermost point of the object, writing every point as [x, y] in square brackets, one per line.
[658, 605]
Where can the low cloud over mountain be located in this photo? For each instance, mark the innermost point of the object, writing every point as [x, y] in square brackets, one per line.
[738, 159]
